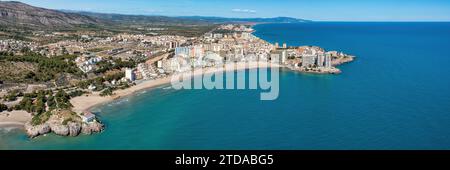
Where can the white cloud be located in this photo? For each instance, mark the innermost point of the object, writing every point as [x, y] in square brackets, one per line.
[244, 10]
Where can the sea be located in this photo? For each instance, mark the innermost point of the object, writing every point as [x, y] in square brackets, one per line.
[395, 95]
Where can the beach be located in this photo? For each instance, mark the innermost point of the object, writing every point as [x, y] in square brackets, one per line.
[14, 118]
[87, 102]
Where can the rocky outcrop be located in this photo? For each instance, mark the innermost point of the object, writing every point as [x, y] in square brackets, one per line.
[34, 131]
[343, 60]
[59, 129]
[94, 127]
[71, 129]
[64, 123]
[74, 128]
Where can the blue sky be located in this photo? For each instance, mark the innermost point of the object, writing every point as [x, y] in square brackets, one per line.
[319, 10]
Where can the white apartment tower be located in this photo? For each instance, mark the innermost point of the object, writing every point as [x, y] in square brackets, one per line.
[320, 60]
[129, 74]
[328, 61]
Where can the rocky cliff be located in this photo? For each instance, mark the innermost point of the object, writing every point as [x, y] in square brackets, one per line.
[63, 124]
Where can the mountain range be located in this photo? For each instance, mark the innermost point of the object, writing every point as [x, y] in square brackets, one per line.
[14, 13]
[20, 14]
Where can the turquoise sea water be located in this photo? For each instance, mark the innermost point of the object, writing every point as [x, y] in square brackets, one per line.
[394, 96]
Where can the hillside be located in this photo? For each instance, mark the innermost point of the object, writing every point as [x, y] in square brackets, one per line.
[142, 19]
[19, 14]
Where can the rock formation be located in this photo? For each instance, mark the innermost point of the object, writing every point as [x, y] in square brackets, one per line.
[64, 123]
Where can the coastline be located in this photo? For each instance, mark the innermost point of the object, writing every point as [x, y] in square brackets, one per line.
[90, 101]
[16, 119]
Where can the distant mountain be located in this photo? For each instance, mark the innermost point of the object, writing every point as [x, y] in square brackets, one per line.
[183, 20]
[256, 20]
[141, 19]
[14, 13]
[19, 14]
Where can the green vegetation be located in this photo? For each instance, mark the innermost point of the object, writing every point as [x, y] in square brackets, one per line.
[36, 102]
[43, 103]
[3, 107]
[98, 82]
[47, 68]
[33, 102]
[51, 103]
[68, 116]
[26, 104]
[104, 66]
[76, 93]
[12, 95]
[41, 118]
[114, 76]
[107, 92]
[40, 104]
[62, 100]
[67, 121]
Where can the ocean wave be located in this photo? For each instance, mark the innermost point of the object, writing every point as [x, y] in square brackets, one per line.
[7, 129]
[167, 88]
[141, 92]
[119, 102]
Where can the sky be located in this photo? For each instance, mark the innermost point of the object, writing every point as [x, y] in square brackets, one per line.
[317, 10]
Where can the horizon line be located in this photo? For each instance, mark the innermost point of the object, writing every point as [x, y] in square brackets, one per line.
[178, 16]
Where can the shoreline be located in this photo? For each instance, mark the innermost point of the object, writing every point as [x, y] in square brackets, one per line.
[15, 119]
[90, 101]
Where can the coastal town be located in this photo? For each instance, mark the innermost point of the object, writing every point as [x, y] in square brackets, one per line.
[51, 87]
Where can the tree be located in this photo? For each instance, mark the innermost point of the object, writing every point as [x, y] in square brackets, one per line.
[51, 102]
[26, 104]
[40, 103]
[107, 92]
[62, 99]
[12, 95]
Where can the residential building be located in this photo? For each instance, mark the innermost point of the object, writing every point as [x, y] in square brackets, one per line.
[129, 74]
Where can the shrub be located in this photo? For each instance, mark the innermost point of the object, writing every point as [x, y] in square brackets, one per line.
[3, 107]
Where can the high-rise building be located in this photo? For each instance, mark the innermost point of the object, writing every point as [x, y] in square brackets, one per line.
[308, 60]
[129, 74]
[159, 64]
[218, 35]
[328, 61]
[208, 35]
[182, 50]
[284, 45]
[320, 60]
[197, 51]
[191, 51]
[275, 58]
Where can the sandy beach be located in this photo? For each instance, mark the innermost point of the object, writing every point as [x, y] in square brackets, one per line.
[87, 102]
[14, 118]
